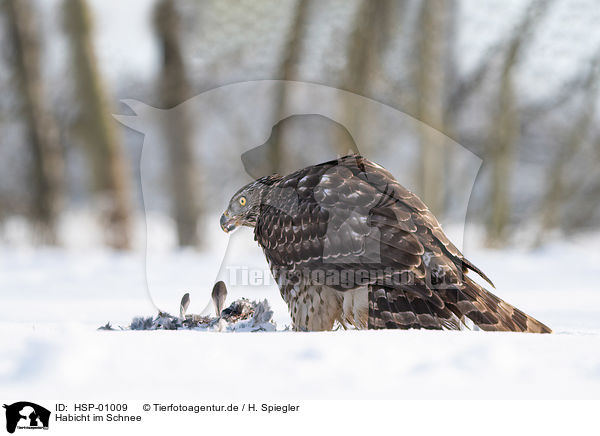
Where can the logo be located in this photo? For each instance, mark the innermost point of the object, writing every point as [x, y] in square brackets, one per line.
[26, 415]
[315, 124]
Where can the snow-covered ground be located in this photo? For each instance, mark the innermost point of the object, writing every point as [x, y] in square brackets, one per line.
[53, 300]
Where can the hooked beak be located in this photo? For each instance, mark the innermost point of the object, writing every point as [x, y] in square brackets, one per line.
[228, 224]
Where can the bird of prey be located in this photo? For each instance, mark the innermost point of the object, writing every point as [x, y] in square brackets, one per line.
[348, 245]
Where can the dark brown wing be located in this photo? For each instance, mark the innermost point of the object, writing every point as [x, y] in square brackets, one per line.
[350, 220]
[347, 215]
[320, 215]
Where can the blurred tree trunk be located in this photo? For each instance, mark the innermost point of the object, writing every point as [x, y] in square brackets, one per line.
[42, 136]
[174, 89]
[587, 212]
[95, 129]
[366, 43]
[504, 136]
[557, 181]
[364, 59]
[430, 81]
[289, 60]
[505, 130]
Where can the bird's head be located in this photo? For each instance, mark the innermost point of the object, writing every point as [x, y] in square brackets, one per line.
[244, 206]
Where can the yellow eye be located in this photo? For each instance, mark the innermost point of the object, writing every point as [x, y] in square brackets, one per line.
[243, 201]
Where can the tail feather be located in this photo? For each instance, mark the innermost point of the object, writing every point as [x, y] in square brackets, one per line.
[493, 314]
[394, 308]
[489, 312]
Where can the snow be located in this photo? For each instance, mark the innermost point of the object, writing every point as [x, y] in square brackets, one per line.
[53, 301]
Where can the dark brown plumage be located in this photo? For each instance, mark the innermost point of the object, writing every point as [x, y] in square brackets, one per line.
[347, 243]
